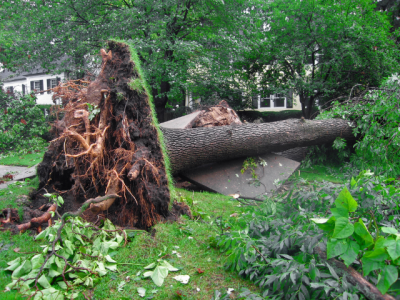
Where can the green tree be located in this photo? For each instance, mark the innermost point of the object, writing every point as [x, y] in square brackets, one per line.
[320, 48]
[171, 36]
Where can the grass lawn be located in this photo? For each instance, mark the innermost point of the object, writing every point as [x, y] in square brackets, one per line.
[184, 244]
[189, 238]
[320, 173]
[28, 159]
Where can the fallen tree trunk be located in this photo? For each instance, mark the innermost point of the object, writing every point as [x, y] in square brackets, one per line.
[109, 144]
[189, 148]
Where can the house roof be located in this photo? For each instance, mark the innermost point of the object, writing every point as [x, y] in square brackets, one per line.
[8, 76]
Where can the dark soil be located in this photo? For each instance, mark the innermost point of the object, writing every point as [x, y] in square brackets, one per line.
[130, 141]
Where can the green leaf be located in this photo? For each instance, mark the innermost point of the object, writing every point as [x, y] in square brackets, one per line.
[37, 261]
[148, 274]
[141, 291]
[44, 282]
[150, 266]
[340, 212]
[336, 247]
[54, 271]
[343, 228]
[112, 267]
[70, 247]
[23, 269]
[346, 201]
[104, 246]
[382, 242]
[168, 266]
[351, 254]
[389, 276]
[109, 259]
[62, 285]
[394, 250]
[325, 224]
[89, 282]
[374, 260]
[13, 264]
[159, 275]
[389, 230]
[353, 183]
[42, 235]
[361, 230]
[121, 286]
[101, 269]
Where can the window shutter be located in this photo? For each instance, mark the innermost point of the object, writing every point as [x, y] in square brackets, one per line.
[289, 99]
[23, 89]
[255, 101]
[48, 86]
[41, 87]
[32, 86]
[58, 80]
[11, 90]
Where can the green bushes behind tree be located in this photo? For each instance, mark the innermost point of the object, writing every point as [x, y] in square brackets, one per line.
[376, 121]
[22, 123]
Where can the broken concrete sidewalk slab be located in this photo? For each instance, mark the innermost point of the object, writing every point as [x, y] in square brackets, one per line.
[226, 178]
[181, 122]
[20, 173]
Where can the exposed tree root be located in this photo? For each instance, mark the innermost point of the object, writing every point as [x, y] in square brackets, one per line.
[108, 145]
[37, 222]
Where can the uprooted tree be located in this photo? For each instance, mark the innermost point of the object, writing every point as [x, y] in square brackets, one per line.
[109, 145]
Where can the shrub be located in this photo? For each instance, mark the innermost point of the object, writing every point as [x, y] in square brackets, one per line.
[377, 126]
[22, 124]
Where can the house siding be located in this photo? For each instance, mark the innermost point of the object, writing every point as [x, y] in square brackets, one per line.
[24, 85]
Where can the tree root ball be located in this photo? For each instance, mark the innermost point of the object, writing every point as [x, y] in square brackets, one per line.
[109, 144]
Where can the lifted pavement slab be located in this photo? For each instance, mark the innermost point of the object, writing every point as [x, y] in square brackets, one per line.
[226, 178]
[20, 173]
[181, 122]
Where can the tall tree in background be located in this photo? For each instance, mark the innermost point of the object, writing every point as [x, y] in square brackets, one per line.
[320, 48]
[169, 35]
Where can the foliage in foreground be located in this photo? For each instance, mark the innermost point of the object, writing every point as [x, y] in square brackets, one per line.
[377, 126]
[182, 244]
[65, 268]
[22, 124]
[272, 244]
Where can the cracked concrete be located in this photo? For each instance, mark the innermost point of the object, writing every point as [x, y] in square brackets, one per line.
[20, 173]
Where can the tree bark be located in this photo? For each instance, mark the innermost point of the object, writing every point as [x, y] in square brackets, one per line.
[189, 148]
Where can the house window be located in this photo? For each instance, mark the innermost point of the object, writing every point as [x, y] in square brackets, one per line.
[272, 101]
[37, 85]
[52, 83]
[10, 90]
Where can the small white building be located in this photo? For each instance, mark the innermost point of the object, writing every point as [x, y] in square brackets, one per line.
[37, 80]
[276, 102]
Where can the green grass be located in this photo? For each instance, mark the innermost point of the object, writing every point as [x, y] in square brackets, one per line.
[28, 160]
[144, 249]
[14, 191]
[319, 173]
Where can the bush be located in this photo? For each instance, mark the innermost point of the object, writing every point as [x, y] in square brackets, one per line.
[272, 243]
[22, 124]
[377, 126]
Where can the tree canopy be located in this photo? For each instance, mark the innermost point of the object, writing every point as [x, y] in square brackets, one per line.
[320, 49]
[169, 35]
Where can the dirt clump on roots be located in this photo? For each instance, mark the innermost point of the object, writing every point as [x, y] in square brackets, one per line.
[108, 144]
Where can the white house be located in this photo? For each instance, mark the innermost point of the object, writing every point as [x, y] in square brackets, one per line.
[37, 80]
[275, 102]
